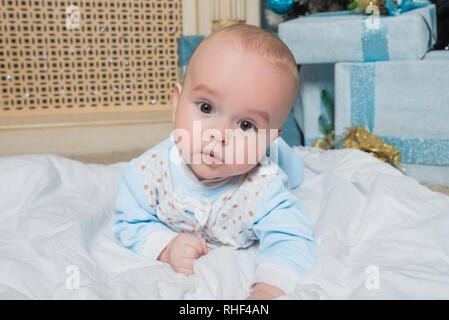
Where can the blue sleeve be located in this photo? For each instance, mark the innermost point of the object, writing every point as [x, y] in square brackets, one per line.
[288, 160]
[134, 219]
[284, 229]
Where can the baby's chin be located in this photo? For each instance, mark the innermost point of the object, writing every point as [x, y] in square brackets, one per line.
[206, 172]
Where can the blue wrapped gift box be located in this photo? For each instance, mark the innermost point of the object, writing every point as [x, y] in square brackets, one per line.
[313, 78]
[437, 55]
[346, 36]
[406, 103]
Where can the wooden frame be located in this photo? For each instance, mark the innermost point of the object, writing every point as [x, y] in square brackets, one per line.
[86, 137]
[197, 15]
[102, 86]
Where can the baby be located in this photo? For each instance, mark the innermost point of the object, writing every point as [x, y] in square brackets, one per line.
[213, 182]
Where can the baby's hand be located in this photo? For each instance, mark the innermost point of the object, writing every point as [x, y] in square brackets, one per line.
[265, 291]
[182, 252]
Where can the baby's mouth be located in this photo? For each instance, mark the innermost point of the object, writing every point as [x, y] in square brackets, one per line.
[210, 158]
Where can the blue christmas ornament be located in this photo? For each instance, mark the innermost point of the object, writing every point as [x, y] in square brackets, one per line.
[281, 6]
[397, 7]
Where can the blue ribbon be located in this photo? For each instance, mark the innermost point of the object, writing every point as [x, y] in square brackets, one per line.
[375, 41]
[433, 152]
[362, 86]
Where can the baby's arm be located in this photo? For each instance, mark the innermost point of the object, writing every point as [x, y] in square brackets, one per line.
[287, 248]
[136, 224]
[139, 229]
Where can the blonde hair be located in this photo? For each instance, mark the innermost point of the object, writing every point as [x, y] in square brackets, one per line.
[259, 41]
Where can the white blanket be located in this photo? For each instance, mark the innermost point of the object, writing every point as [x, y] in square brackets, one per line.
[381, 235]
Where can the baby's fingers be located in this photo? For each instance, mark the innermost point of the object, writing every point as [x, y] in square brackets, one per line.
[199, 244]
[191, 251]
[204, 244]
[186, 266]
[186, 271]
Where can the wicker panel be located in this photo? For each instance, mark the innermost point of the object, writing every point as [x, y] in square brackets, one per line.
[118, 56]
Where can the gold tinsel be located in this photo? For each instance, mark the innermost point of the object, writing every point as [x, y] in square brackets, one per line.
[359, 138]
[363, 4]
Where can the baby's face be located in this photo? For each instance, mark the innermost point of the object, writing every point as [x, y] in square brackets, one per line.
[229, 110]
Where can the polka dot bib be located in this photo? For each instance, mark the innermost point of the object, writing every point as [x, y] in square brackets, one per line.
[226, 221]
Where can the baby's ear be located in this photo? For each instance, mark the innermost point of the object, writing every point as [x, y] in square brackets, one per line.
[176, 95]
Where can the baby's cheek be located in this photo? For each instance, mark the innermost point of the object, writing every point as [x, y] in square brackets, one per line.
[262, 147]
[256, 149]
[252, 147]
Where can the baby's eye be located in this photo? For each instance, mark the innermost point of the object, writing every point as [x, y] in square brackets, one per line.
[246, 125]
[205, 107]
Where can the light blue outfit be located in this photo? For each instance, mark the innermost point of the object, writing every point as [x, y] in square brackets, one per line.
[159, 197]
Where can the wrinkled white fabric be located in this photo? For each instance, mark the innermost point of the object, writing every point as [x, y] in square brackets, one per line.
[381, 235]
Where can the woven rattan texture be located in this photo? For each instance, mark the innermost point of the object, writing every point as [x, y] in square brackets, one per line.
[64, 57]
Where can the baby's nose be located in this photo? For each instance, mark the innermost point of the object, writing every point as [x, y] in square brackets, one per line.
[218, 138]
